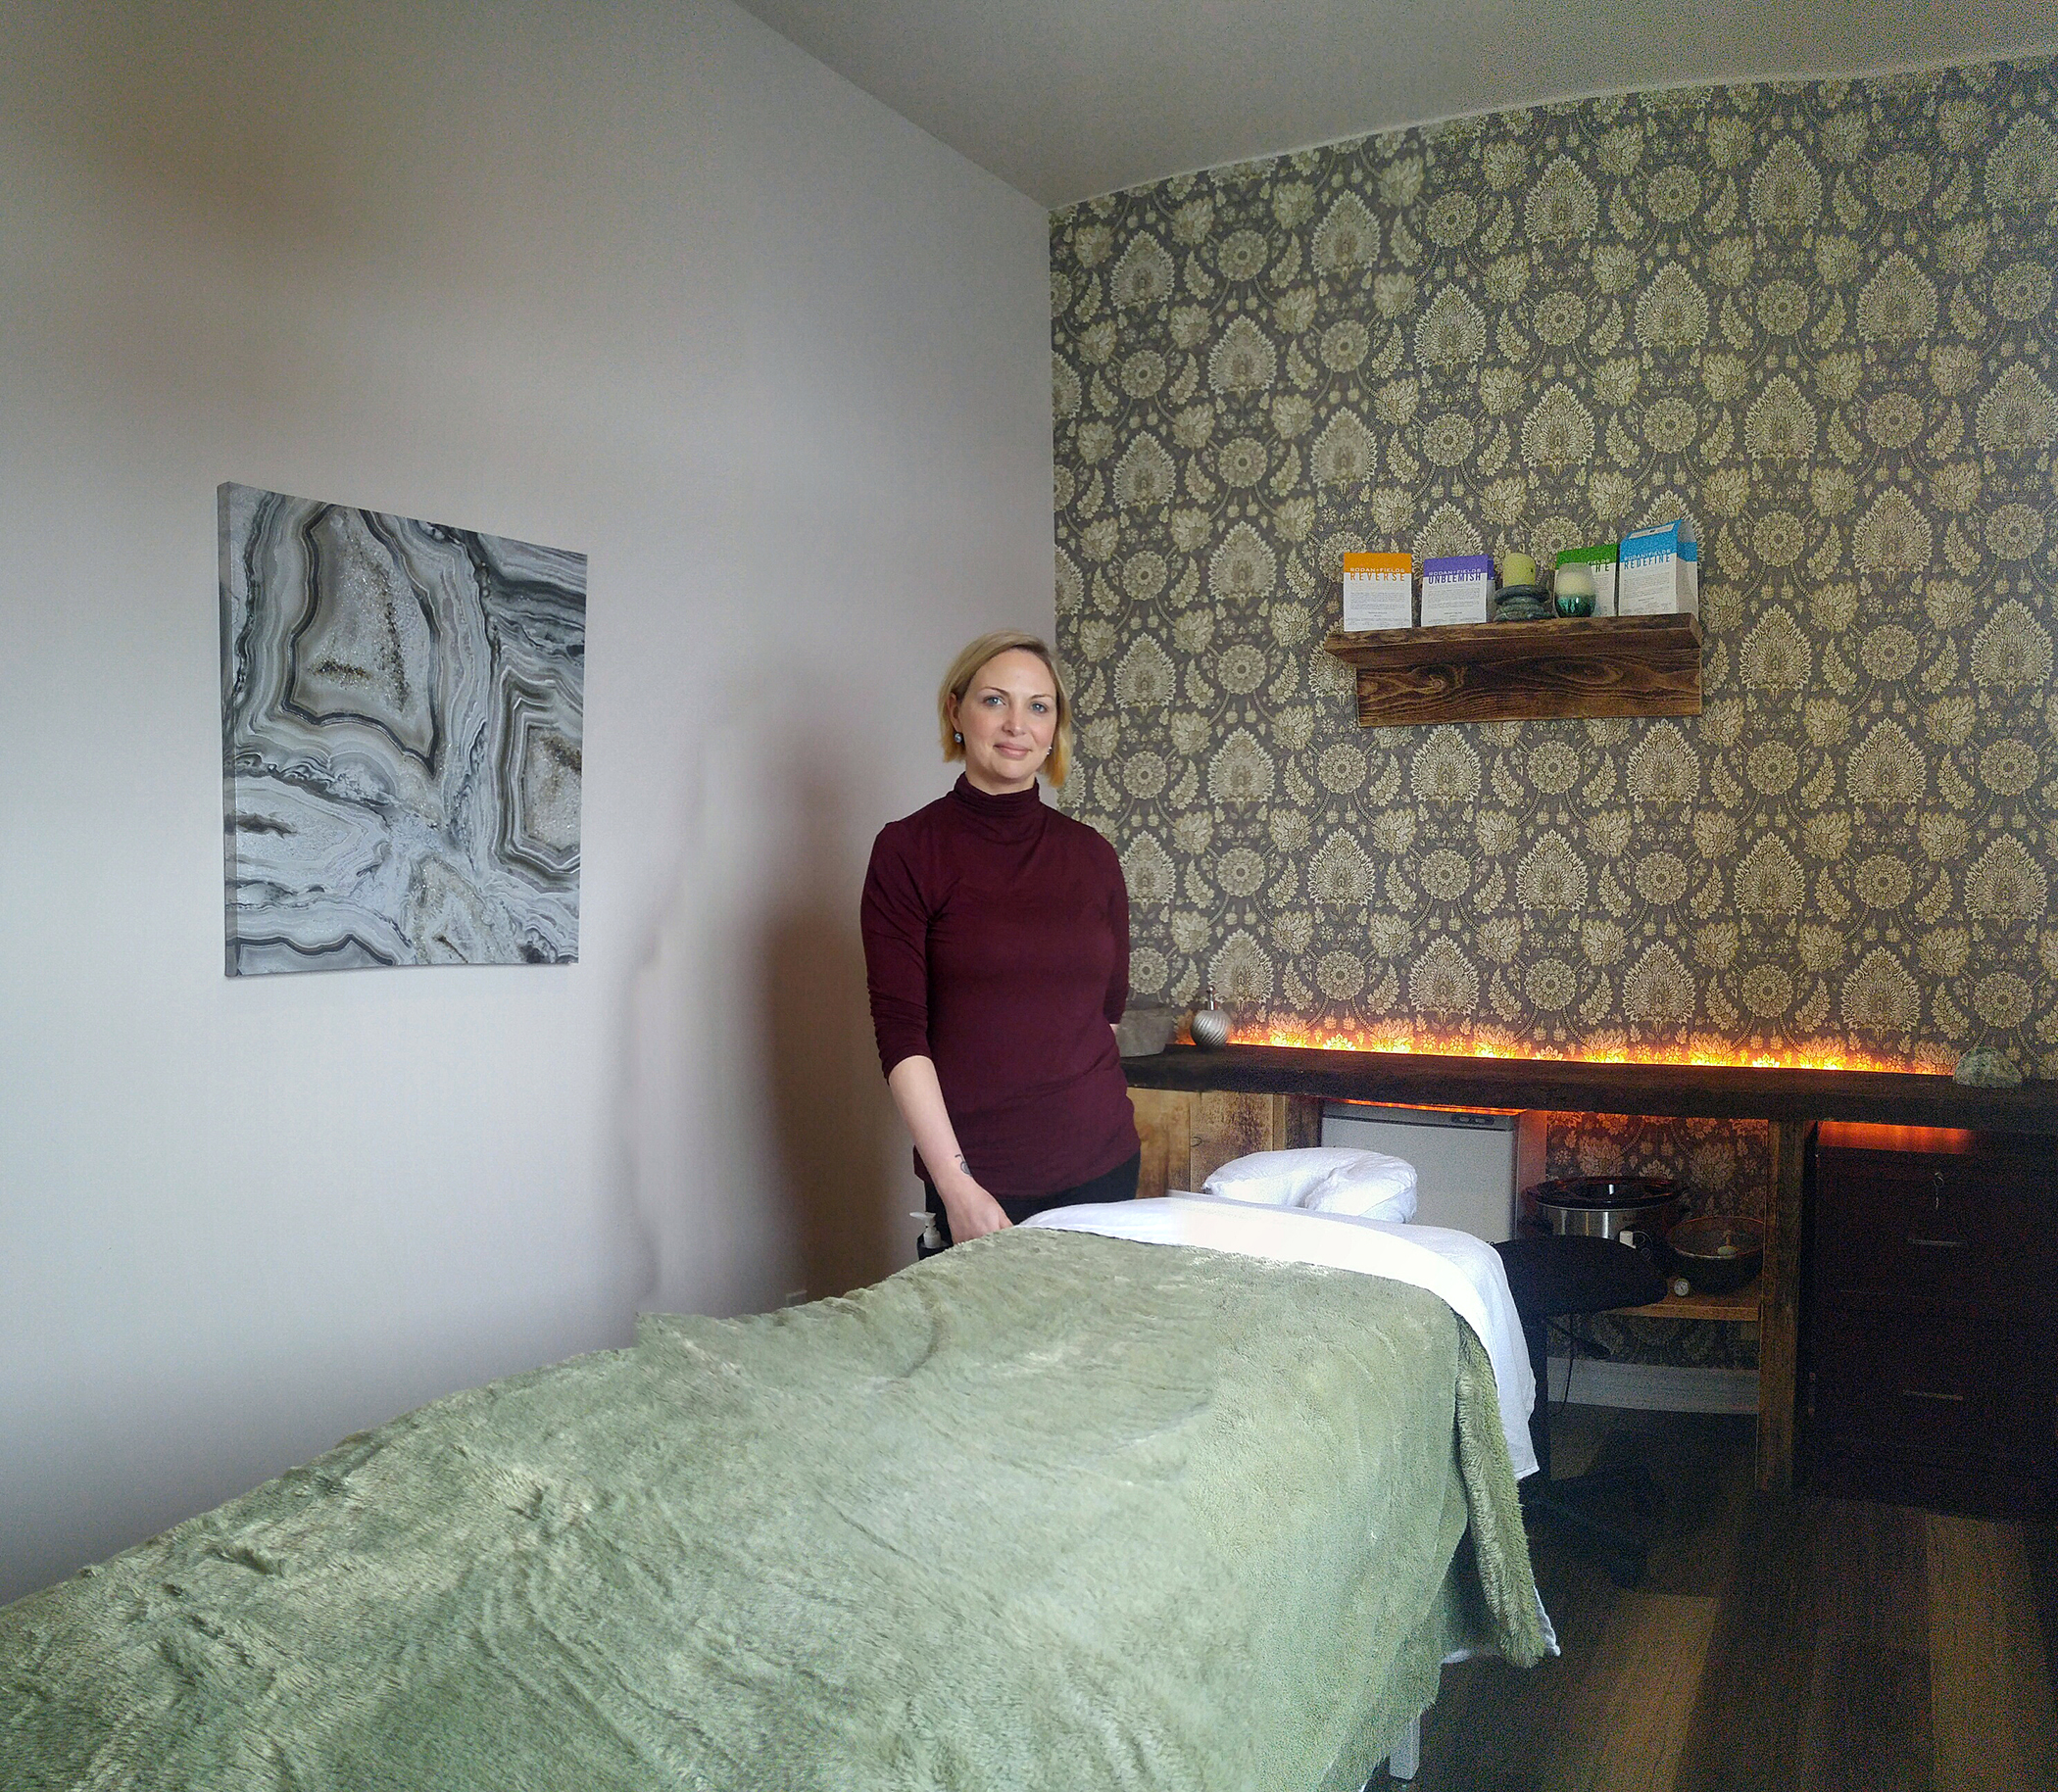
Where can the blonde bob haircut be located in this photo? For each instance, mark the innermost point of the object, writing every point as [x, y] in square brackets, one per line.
[966, 668]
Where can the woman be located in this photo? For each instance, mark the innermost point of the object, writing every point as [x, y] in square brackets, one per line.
[997, 948]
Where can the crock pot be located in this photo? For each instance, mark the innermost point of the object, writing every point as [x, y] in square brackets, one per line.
[1601, 1206]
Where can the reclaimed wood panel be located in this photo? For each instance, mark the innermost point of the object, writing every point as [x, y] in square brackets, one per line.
[1186, 1138]
[1228, 1124]
[1779, 1308]
[1297, 1122]
[1507, 671]
[1164, 1123]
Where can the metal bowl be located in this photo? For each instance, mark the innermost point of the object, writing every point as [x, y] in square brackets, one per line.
[1716, 1253]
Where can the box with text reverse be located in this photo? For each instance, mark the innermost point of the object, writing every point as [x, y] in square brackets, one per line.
[1378, 591]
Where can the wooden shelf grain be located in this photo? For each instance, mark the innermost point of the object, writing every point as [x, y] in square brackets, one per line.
[1511, 671]
[1738, 1306]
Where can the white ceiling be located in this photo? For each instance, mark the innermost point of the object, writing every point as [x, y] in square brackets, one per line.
[1065, 99]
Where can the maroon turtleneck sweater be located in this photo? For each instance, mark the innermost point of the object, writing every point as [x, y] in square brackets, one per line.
[997, 944]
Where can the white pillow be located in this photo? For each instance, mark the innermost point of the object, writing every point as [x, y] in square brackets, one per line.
[1376, 1187]
[1322, 1178]
[1278, 1179]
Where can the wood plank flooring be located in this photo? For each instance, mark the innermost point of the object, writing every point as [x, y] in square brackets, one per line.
[1779, 1643]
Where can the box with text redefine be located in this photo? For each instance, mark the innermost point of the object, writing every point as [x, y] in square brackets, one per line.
[1660, 572]
[1378, 591]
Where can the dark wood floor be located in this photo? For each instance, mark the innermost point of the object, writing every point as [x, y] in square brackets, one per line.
[1777, 1643]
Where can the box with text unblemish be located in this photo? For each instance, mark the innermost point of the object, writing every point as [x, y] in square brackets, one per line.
[1456, 589]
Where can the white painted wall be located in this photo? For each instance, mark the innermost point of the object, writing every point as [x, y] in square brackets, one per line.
[640, 280]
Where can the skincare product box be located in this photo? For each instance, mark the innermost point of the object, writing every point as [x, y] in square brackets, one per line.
[1458, 589]
[1378, 591]
[1601, 562]
[1660, 572]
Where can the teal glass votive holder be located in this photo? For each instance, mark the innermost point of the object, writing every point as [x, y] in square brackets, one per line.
[1575, 590]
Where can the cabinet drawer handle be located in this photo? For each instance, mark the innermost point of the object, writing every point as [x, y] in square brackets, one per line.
[1935, 1243]
[1924, 1393]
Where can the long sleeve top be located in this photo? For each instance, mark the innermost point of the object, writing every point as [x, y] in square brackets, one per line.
[997, 944]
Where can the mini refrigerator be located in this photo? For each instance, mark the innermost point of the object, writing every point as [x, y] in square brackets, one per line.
[1467, 1165]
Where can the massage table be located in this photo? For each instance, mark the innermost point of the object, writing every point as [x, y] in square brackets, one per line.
[1055, 1508]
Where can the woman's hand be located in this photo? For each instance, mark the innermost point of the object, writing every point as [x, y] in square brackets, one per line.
[916, 1092]
[972, 1212]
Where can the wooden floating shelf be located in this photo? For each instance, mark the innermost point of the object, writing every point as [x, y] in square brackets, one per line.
[1520, 672]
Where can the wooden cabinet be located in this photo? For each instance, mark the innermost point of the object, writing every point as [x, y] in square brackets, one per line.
[1928, 1367]
[1189, 1134]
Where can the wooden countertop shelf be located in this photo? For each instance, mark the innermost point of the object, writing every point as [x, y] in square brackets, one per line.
[1716, 1092]
[1512, 672]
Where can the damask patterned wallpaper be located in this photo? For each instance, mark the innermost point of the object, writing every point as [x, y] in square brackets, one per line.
[1814, 317]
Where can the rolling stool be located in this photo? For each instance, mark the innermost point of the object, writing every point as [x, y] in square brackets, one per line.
[1550, 1278]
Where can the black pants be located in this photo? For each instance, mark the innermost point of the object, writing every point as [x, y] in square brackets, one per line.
[1119, 1184]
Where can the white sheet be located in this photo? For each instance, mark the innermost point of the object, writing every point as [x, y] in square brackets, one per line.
[1463, 1271]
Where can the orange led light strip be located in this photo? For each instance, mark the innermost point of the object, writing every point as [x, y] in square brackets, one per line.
[1818, 1058]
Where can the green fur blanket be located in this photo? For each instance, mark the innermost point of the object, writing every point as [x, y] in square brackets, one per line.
[1049, 1510]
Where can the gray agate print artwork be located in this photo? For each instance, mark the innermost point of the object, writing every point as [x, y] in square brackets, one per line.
[402, 708]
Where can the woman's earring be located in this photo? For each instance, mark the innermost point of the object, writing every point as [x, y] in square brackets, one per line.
[956, 737]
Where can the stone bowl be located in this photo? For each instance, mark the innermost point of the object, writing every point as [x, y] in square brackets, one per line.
[1144, 1032]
